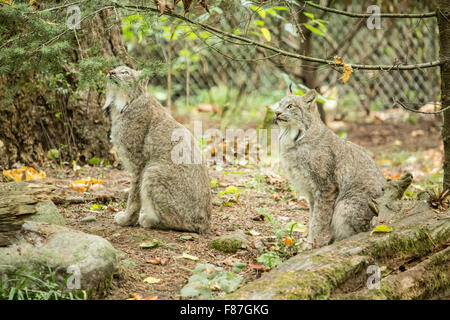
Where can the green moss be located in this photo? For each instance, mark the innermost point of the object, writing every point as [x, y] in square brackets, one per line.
[305, 285]
[230, 243]
[407, 244]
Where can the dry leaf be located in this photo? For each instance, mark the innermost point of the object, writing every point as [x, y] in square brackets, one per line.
[85, 184]
[189, 257]
[136, 296]
[347, 69]
[112, 209]
[258, 266]
[157, 261]
[24, 173]
[152, 280]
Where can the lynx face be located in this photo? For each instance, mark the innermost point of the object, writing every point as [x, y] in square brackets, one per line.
[297, 112]
[123, 75]
[124, 86]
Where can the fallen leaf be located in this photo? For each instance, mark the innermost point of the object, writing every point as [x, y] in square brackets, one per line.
[136, 296]
[189, 257]
[24, 173]
[157, 261]
[253, 232]
[258, 266]
[112, 209]
[382, 228]
[150, 244]
[84, 185]
[152, 280]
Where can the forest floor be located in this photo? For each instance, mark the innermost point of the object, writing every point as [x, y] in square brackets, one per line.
[398, 146]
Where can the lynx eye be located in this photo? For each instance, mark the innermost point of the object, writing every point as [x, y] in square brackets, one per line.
[125, 72]
[290, 106]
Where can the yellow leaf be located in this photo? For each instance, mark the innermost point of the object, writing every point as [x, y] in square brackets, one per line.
[266, 33]
[24, 173]
[382, 228]
[136, 296]
[348, 70]
[189, 257]
[84, 184]
[152, 280]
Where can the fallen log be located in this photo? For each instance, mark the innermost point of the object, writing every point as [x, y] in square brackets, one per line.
[410, 262]
[18, 202]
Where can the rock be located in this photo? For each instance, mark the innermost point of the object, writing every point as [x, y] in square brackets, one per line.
[49, 213]
[65, 251]
[89, 219]
[230, 243]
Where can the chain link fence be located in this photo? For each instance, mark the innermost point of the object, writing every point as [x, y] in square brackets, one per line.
[405, 41]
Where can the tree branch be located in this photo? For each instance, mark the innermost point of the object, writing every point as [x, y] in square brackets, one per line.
[277, 50]
[368, 15]
[401, 104]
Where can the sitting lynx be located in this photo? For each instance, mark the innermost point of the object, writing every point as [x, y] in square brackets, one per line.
[338, 177]
[172, 195]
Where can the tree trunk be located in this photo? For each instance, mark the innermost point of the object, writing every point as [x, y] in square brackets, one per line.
[40, 119]
[443, 15]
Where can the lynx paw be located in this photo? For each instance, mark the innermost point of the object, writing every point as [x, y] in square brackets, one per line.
[147, 220]
[306, 246]
[123, 219]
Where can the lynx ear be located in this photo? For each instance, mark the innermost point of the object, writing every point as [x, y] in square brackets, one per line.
[310, 99]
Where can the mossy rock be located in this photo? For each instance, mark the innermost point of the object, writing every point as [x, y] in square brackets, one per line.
[48, 213]
[230, 243]
[40, 246]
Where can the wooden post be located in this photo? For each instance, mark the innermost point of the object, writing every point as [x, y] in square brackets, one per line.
[443, 16]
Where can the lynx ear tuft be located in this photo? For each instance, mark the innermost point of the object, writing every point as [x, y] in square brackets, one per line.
[290, 89]
[310, 99]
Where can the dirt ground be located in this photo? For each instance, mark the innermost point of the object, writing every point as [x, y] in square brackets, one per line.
[393, 142]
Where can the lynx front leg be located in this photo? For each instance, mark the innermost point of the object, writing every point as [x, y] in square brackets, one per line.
[131, 214]
[320, 233]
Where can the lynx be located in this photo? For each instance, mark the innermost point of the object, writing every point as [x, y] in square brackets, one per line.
[338, 177]
[172, 195]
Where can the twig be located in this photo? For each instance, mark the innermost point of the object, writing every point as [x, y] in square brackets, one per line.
[401, 104]
[368, 15]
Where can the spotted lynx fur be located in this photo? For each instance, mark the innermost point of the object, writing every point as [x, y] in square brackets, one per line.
[337, 176]
[171, 195]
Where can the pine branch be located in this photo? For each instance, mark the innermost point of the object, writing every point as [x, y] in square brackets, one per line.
[368, 15]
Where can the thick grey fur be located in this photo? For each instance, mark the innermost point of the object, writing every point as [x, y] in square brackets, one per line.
[337, 176]
[172, 195]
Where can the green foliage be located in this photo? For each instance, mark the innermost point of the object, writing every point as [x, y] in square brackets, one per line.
[286, 245]
[94, 161]
[206, 278]
[53, 154]
[270, 259]
[38, 285]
